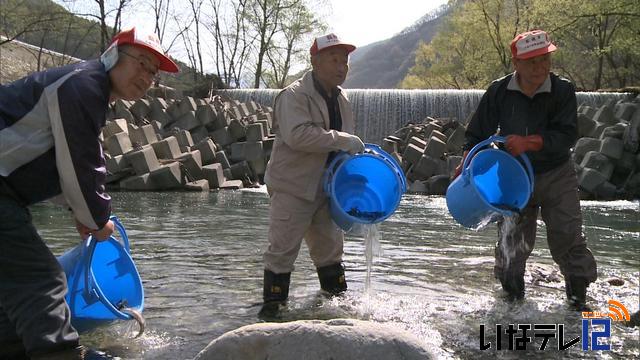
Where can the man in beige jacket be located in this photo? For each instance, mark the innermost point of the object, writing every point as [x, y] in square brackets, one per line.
[312, 120]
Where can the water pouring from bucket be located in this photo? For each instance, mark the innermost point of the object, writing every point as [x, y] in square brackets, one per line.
[103, 282]
[363, 188]
[492, 184]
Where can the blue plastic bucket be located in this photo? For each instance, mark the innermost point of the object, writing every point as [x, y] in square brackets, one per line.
[492, 184]
[363, 188]
[102, 280]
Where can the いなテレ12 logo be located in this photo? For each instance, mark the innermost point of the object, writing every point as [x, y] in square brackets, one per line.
[600, 325]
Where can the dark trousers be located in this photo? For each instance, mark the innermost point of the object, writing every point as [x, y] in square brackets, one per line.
[33, 311]
[555, 196]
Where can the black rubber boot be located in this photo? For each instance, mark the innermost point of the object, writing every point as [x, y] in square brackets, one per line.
[275, 292]
[576, 288]
[513, 286]
[332, 279]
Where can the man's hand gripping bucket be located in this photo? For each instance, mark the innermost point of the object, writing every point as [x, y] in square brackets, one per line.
[363, 188]
[492, 184]
[103, 282]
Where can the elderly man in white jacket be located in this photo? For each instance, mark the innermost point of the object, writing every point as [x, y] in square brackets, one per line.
[312, 120]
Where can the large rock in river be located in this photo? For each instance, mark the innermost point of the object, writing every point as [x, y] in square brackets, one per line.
[338, 339]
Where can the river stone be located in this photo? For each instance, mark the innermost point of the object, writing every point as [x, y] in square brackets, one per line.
[615, 281]
[338, 339]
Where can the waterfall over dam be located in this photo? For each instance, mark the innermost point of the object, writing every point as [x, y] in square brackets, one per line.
[380, 112]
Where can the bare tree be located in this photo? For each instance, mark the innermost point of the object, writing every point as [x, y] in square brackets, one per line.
[191, 39]
[160, 16]
[299, 22]
[497, 25]
[196, 9]
[231, 39]
[265, 20]
[188, 43]
[108, 14]
[105, 11]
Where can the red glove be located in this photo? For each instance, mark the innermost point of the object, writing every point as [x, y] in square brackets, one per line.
[517, 144]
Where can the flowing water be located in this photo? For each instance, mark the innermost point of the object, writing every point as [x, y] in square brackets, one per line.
[372, 249]
[200, 258]
[509, 245]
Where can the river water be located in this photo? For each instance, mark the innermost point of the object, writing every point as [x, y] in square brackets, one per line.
[200, 258]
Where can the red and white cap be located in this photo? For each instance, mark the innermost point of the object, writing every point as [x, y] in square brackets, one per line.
[148, 41]
[531, 43]
[327, 41]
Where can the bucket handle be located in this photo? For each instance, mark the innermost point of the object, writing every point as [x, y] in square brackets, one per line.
[328, 174]
[91, 290]
[500, 139]
[376, 149]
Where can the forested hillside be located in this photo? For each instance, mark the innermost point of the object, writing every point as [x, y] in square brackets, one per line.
[384, 64]
[597, 40]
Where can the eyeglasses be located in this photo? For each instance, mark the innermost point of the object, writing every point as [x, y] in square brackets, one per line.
[145, 64]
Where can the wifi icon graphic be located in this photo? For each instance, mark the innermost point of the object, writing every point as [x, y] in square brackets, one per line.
[617, 311]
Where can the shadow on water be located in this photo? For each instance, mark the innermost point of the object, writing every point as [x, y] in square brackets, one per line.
[200, 258]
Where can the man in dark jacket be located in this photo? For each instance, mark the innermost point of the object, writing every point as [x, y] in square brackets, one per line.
[49, 149]
[536, 110]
